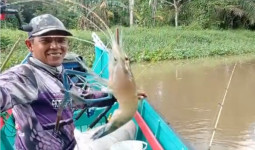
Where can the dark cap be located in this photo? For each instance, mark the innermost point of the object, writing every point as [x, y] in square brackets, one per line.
[43, 24]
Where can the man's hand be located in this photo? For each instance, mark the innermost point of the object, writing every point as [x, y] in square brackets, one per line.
[141, 95]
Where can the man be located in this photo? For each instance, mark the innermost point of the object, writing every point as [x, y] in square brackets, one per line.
[35, 90]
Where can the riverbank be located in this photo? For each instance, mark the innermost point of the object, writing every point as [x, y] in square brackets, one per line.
[151, 44]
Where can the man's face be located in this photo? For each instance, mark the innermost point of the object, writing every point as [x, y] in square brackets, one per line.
[48, 49]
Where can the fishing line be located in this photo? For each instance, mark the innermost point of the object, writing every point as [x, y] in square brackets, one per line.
[170, 45]
[73, 10]
[104, 24]
[90, 12]
[221, 107]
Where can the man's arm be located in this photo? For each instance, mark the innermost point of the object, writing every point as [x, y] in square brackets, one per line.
[17, 86]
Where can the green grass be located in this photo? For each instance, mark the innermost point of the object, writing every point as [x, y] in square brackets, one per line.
[170, 43]
[151, 44]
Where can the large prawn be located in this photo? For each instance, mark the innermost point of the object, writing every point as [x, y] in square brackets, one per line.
[122, 84]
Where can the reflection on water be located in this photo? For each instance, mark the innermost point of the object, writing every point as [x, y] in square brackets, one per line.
[188, 94]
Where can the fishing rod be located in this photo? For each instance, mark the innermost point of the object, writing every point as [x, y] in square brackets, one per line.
[221, 107]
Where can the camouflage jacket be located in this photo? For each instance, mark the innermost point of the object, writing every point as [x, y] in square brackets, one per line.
[35, 94]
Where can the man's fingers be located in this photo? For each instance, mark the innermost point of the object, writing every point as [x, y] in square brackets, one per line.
[141, 95]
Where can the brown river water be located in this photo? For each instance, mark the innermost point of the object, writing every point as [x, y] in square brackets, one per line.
[188, 95]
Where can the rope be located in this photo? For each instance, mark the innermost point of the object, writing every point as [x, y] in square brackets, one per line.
[221, 107]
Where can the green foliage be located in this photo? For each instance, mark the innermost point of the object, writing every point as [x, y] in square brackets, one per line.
[151, 44]
[120, 12]
[9, 23]
[196, 14]
[81, 47]
[143, 13]
[8, 38]
[5, 42]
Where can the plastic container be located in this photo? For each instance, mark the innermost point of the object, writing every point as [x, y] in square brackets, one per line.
[129, 145]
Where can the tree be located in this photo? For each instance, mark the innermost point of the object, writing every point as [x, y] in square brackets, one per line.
[153, 4]
[131, 12]
[236, 14]
[177, 6]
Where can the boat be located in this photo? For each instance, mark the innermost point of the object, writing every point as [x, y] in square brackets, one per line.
[150, 126]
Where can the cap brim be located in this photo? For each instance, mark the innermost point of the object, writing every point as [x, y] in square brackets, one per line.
[45, 31]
